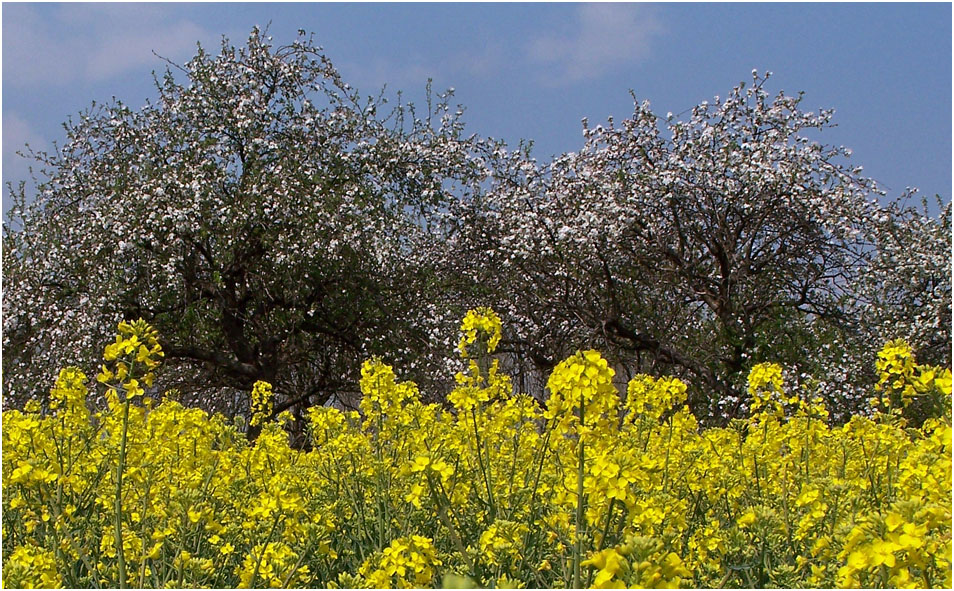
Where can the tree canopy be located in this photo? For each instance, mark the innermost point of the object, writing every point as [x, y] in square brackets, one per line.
[275, 225]
[269, 222]
[707, 245]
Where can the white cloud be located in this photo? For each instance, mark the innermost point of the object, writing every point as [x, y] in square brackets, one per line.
[69, 43]
[131, 50]
[606, 36]
[17, 132]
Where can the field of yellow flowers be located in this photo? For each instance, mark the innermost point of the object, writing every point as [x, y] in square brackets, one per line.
[596, 489]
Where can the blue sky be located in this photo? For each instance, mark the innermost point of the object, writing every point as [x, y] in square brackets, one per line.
[526, 71]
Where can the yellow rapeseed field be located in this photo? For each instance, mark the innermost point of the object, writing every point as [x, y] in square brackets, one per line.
[595, 488]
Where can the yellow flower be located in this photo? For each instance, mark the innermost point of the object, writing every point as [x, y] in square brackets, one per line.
[882, 552]
[863, 504]
[29, 567]
[582, 382]
[261, 402]
[482, 322]
[610, 564]
[746, 520]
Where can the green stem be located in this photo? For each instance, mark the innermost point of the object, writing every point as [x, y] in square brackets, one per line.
[379, 495]
[483, 469]
[531, 515]
[442, 512]
[301, 559]
[578, 550]
[606, 524]
[268, 540]
[118, 502]
[668, 448]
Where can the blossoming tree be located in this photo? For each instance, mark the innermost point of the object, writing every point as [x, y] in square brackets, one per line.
[704, 244]
[275, 226]
[268, 220]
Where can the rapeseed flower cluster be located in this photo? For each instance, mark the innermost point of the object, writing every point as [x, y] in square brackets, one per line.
[901, 380]
[408, 563]
[582, 384]
[484, 324]
[136, 343]
[261, 406]
[591, 488]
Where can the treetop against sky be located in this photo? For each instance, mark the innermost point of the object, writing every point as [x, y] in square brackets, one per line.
[525, 71]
